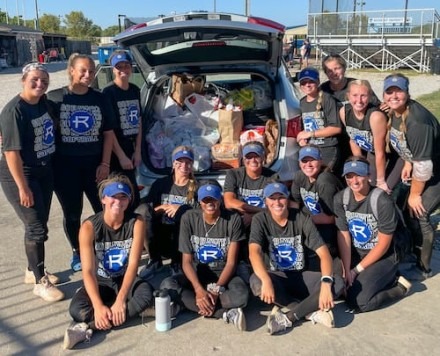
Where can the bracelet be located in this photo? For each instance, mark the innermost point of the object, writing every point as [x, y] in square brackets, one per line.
[105, 164]
[327, 279]
[215, 288]
[358, 269]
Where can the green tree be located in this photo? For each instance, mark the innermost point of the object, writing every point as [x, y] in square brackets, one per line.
[79, 26]
[50, 23]
[110, 31]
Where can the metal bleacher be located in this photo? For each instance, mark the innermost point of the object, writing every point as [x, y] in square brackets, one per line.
[385, 40]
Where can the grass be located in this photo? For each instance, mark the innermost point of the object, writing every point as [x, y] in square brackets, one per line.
[431, 102]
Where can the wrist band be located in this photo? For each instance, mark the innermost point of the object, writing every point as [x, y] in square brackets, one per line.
[327, 279]
[358, 269]
[105, 164]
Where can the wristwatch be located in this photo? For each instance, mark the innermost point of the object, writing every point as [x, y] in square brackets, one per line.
[327, 279]
[214, 288]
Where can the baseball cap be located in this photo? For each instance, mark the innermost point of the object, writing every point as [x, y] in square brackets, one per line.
[114, 188]
[274, 188]
[209, 191]
[396, 81]
[183, 154]
[253, 148]
[313, 152]
[120, 57]
[309, 73]
[357, 167]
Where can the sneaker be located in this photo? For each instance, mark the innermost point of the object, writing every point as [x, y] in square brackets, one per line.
[235, 316]
[322, 317]
[176, 269]
[277, 321]
[29, 277]
[75, 263]
[47, 291]
[150, 269]
[405, 284]
[76, 333]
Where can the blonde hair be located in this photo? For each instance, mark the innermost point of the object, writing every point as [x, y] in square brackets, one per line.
[115, 178]
[360, 83]
[192, 186]
[72, 61]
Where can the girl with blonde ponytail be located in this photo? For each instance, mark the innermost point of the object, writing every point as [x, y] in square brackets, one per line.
[414, 133]
[321, 124]
[168, 199]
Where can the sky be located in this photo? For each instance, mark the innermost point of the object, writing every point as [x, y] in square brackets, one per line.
[104, 13]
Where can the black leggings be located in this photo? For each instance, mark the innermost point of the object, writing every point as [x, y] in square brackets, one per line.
[375, 286]
[139, 298]
[74, 176]
[182, 292]
[298, 291]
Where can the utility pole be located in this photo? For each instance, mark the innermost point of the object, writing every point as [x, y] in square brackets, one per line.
[37, 21]
[247, 7]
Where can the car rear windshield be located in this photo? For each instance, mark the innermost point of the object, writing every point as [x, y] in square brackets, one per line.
[204, 45]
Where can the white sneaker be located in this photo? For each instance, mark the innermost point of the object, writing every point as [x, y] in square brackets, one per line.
[322, 317]
[405, 284]
[76, 333]
[47, 291]
[277, 321]
[29, 277]
[235, 316]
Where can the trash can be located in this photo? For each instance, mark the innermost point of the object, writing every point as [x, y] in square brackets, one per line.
[104, 53]
[435, 63]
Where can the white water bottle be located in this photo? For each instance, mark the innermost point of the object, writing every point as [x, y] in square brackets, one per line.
[163, 310]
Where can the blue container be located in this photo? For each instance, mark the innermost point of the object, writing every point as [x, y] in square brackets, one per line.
[104, 53]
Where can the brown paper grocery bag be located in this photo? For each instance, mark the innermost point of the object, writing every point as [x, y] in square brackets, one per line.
[182, 87]
[230, 124]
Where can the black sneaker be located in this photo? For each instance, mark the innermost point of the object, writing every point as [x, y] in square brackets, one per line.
[150, 269]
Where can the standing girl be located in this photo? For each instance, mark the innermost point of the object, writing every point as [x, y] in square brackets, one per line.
[415, 136]
[84, 145]
[366, 126]
[320, 118]
[125, 99]
[26, 173]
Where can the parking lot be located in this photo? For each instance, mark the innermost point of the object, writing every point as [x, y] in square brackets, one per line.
[30, 326]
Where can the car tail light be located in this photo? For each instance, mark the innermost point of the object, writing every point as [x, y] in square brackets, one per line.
[266, 22]
[136, 27]
[294, 126]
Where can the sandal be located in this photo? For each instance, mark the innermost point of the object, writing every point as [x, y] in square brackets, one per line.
[75, 263]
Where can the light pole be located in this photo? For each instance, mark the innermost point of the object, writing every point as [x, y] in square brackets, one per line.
[37, 21]
[361, 4]
[248, 7]
[215, 6]
[119, 22]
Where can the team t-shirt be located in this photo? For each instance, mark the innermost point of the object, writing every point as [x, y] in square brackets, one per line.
[164, 191]
[285, 245]
[360, 130]
[247, 189]
[28, 128]
[316, 197]
[112, 246]
[318, 119]
[209, 244]
[82, 120]
[358, 219]
[421, 140]
[126, 105]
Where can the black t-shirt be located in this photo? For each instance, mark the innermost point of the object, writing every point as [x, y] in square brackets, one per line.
[209, 244]
[285, 246]
[164, 191]
[314, 120]
[341, 95]
[316, 197]
[360, 130]
[358, 219]
[421, 140]
[83, 118]
[247, 189]
[28, 128]
[112, 247]
[126, 106]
